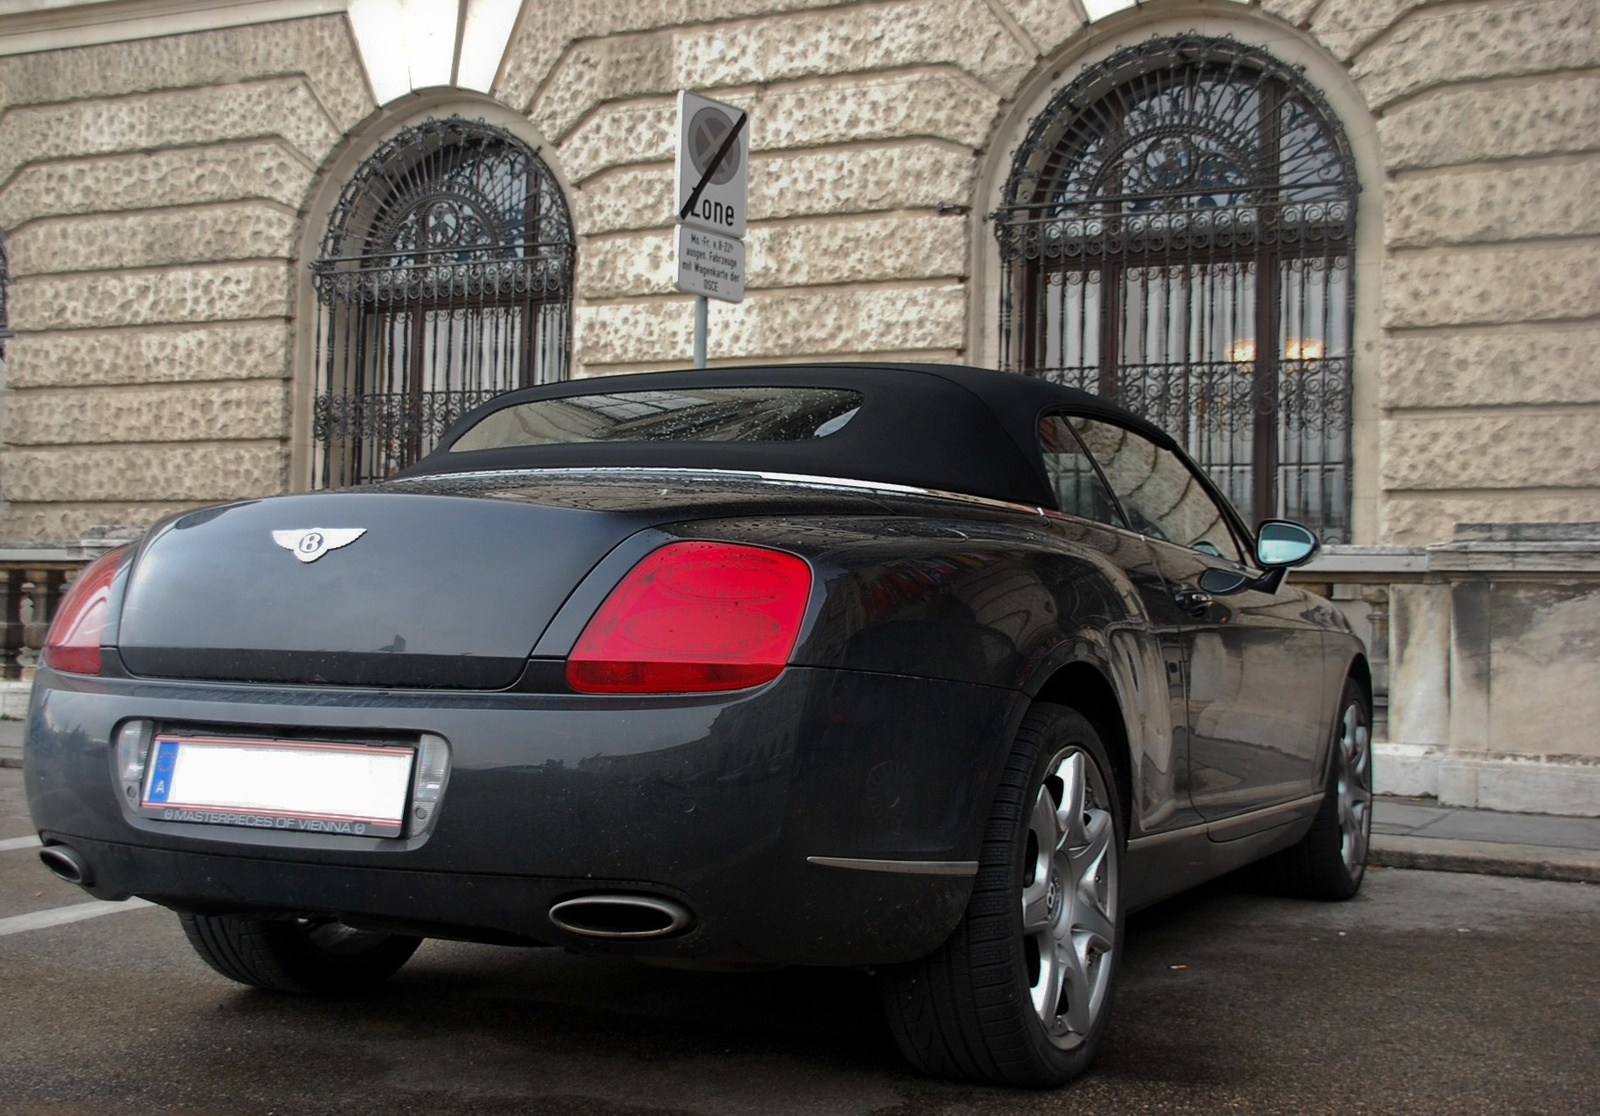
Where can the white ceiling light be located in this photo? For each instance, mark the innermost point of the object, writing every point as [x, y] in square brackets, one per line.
[483, 43]
[1099, 9]
[414, 44]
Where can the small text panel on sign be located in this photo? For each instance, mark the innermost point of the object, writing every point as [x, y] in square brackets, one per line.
[704, 126]
[710, 265]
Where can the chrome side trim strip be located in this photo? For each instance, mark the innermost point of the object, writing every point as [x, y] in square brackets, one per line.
[908, 867]
[1295, 806]
[1223, 825]
[1166, 836]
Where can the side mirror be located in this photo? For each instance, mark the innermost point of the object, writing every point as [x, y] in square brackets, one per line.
[1281, 543]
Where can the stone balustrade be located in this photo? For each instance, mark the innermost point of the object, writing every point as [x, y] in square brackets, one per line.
[1482, 651]
[33, 580]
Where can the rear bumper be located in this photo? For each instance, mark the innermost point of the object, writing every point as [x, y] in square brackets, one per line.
[713, 801]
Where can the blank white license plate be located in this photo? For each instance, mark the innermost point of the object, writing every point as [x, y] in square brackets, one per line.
[284, 785]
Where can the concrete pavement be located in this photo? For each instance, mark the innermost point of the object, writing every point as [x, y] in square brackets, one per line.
[1406, 833]
[1430, 994]
[1418, 833]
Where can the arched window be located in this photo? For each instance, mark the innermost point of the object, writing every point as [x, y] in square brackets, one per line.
[445, 278]
[1177, 234]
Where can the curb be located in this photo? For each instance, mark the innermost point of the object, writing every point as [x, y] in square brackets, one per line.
[1489, 858]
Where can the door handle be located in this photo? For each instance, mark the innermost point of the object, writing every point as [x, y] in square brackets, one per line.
[1196, 602]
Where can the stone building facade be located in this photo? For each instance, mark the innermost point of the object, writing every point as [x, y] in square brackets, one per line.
[170, 172]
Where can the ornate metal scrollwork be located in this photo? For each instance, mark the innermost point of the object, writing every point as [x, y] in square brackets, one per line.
[1177, 231]
[385, 417]
[447, 192]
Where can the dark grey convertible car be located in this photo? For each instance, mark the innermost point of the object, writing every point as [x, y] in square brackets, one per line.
[930, 669]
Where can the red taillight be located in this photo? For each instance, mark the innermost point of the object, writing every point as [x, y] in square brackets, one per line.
[694, 616]
[73, 643]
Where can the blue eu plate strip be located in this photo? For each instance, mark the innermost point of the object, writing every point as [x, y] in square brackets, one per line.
[161, 771]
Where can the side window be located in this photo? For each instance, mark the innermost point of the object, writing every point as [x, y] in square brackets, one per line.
[1160, 495]
[1078, 487]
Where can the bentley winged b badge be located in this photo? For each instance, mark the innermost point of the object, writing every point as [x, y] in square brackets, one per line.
[314, 542]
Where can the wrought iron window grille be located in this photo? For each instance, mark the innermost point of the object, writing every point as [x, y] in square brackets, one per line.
[444, 279]
[1177, 233]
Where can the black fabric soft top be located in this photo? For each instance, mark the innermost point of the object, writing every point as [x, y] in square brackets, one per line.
[938, 426]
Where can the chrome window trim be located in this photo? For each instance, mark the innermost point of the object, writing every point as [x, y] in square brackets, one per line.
[807, 480]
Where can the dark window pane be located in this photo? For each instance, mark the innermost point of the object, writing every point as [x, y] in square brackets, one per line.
[1161, 497]
[740, 414]
[1078, 487]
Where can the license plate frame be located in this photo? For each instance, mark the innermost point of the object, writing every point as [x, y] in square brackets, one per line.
[308, 787]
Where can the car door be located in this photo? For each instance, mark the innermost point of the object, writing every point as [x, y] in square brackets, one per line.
[1161, 799]
[1252, 660]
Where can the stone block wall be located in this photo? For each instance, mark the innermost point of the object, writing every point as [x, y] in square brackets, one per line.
[1488, 118]
[155, 191]
[1487, 121]
[866, 117]
[868, 126]
[152, 192]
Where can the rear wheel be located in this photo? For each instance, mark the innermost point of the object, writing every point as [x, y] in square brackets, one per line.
[1331, 859]
[319, 957]
[1021, 992]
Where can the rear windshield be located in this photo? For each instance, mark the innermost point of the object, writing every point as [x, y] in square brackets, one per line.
[723, 414]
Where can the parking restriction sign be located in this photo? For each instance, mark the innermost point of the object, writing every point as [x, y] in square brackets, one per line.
[713, 161]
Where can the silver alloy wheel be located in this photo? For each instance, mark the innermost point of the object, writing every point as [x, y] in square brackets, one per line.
[1354, 787]
[1069, 896]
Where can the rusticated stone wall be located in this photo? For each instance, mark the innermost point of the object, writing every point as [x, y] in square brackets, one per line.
[152, 190]
[866, 117]
[156, 191]
[1488, 116]
[868, 121]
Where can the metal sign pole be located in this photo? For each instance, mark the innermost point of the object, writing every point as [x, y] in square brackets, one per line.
[702, 312]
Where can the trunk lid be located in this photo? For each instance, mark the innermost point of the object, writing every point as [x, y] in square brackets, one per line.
[448, 584]
[436, 591]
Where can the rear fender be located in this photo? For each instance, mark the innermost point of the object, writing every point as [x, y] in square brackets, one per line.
[991, 610]
[990, 604]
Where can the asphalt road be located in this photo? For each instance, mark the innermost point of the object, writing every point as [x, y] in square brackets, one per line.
[1429, 993]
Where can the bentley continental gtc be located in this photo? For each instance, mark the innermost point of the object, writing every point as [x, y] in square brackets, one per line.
[930, 670]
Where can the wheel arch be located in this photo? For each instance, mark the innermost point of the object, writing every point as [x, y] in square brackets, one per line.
[1361, 671]
[1083, 687]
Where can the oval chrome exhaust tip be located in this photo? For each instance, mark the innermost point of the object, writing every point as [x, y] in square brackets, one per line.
[66, 865]
[615, 915]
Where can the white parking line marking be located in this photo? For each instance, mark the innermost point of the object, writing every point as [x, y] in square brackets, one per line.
[58, 916]
[11, 843]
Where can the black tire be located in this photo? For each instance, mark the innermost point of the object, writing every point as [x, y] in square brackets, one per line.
[968, 1010]
[1330, 861]
[307, 956]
